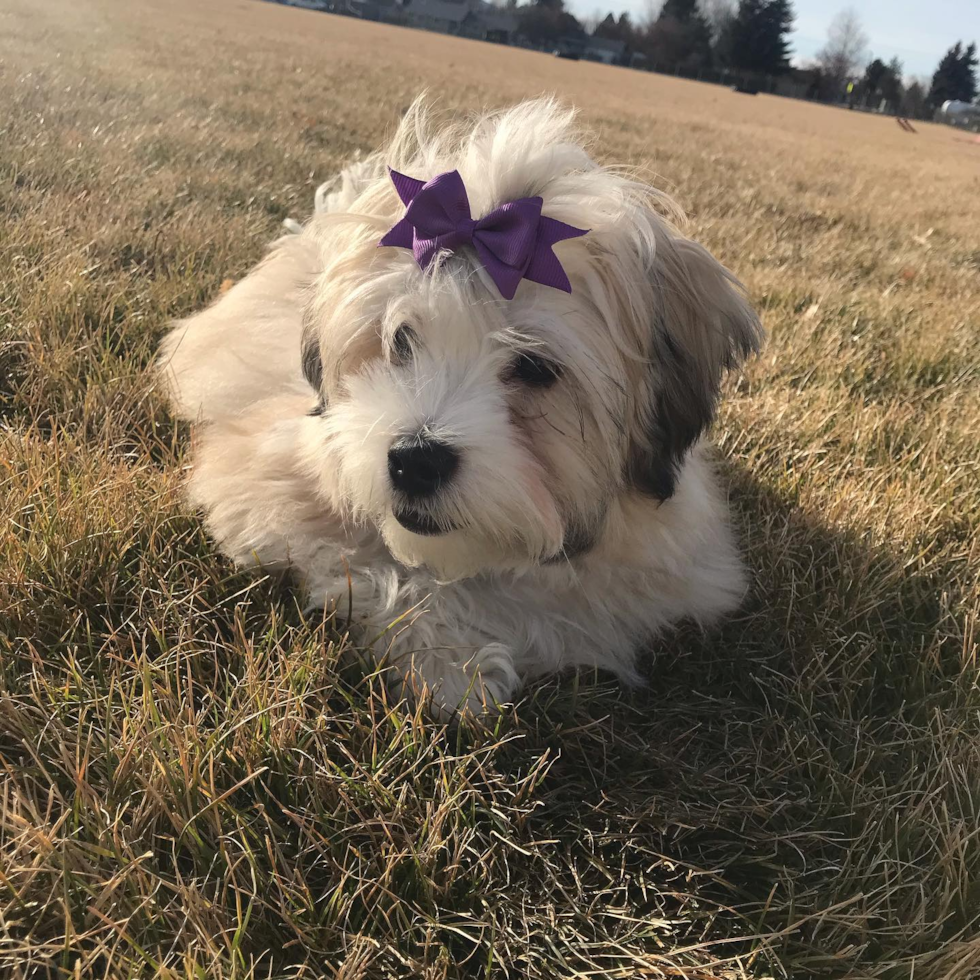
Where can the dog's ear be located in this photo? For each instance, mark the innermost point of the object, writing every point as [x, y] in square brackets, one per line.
[702, 327]
[312, 363]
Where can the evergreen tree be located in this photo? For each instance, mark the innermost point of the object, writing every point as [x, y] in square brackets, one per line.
[873, 75]
[758, 41]
[891, 87]
[682, 10]
[913, 103]
[882, 81]
[616, 30]
[680, 37]
[545, 21]
[607, 28]
[967, 73]
[956, 76]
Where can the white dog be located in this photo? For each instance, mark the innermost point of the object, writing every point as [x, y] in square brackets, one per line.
[491, 488]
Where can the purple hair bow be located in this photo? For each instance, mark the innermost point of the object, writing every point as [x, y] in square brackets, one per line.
[513, 242]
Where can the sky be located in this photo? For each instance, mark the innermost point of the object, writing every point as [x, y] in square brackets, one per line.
[917, 31]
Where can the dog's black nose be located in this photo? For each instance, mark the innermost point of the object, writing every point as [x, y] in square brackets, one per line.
[419, 469]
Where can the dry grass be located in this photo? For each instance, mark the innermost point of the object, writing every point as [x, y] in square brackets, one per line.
[192, 787]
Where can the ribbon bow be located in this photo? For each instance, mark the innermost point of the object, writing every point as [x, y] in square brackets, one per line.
[513, 242]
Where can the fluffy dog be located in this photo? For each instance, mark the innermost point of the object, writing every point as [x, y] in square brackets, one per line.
[491, 488]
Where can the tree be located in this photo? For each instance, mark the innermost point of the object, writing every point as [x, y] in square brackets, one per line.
[757, 39]
[545, 21]
[956, 76]
[873, 74]
[844, 51]
[891, 87]
[591, 23]
[615, 30]
[882, 82]
[607, 28]
[720, 15]
[679, 10]
[914, 103]
[680, 37]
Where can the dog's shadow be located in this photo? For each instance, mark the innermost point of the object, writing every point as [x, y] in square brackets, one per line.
[769, 772]
[764, 755]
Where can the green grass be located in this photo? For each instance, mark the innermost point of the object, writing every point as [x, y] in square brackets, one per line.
[197, 781]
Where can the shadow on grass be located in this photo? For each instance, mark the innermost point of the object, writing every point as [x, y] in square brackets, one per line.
[782, 769]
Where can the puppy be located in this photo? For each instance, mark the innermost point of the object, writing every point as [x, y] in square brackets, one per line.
[464, 406]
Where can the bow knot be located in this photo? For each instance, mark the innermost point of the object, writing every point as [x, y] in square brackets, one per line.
[464, 229]
[513, 242]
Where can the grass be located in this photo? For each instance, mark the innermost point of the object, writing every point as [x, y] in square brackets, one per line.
[195, 785]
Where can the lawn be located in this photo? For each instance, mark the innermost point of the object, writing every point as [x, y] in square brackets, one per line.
[195, 783]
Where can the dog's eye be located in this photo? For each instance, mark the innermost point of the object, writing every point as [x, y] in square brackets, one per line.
[534, 370]
[402, 344]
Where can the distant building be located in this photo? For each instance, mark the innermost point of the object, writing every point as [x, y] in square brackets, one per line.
[490, 23]
[444, 16]
[367, 9]
[468, 18]
[603, 49]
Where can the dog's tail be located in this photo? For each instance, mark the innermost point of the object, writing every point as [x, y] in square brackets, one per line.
[247, 346]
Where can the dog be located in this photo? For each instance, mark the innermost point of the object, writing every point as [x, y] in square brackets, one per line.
[486, 487]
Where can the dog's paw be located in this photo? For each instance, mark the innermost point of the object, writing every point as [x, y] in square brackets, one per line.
[468, 688]
[352, 598]
[494, 679]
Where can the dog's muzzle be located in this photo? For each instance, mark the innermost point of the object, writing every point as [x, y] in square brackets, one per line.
[419, 469]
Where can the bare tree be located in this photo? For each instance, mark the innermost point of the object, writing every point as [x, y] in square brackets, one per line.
[650, 13]
[592, 21]
[845, 51]
[913, 103]
[719, 14]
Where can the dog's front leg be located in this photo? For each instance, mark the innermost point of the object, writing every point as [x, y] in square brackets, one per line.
[468, 681]
[435, 657]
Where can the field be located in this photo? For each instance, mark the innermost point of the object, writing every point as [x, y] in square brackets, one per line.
[194, 785]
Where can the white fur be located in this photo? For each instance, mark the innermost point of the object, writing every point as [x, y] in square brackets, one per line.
[643, 340]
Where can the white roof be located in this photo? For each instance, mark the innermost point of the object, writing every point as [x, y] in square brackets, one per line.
[495, 18]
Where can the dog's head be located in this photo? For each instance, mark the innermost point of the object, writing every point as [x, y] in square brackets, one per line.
[481, 433]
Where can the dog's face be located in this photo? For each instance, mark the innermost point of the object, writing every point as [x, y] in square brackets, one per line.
[478, 433]
[474, 432]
